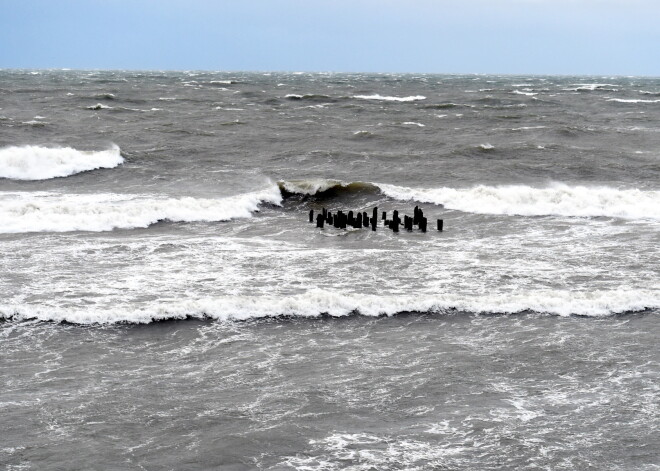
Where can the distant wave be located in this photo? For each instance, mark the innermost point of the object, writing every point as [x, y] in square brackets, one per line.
[519, 92]
[105, 96]
[310, 97]
[53, 212]
[443, 106]
[390, 98]
[514, 200]
[317, 302]
[42, 163]
[117, 109]
[591, 87]
[623, 100]
[522, 200]
[99, 106]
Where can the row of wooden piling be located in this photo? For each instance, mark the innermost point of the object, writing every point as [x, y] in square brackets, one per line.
[358, 220]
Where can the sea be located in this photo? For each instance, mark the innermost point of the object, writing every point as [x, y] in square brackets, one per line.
[166, 303]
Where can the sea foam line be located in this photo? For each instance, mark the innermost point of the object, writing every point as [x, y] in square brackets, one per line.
[317, 302]
[42, 163]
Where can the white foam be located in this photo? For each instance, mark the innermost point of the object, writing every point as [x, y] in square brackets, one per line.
[41, 163]
[622, 100]
[53, 212]
[413, 123]
[99, 106]
[312, 186]
[519, 92]
[557, 199]
[390, 98]
[487, 146]
[316, 302]
[589, 87]
[526, 128]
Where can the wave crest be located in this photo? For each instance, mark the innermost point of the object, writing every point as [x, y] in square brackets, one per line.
[318, 187]
[390, 98]
[317, 302]
[522, 200]
[52, 212]
[43, 163]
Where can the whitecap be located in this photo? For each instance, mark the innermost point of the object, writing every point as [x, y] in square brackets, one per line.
[623, 100]
[316, 302]
[99, 106]
[522, 200]
[390, 98]
[42, 163]
[54, 212]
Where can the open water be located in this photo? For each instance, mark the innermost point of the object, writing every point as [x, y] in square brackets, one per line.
[165, 303]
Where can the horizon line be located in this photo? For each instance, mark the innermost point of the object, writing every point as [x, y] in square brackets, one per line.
[318, 72]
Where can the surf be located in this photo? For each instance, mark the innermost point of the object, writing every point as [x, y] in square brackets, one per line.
[316, 303]
[43, 163]
[24, 212]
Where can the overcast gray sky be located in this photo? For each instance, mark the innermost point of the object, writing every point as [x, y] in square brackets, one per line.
[599, 37]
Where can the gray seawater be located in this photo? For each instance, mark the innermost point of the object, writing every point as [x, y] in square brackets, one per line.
[164, 303]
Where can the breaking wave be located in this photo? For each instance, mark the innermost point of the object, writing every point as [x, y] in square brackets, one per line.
[591, 87]
[514, 200]
[99, 106]
[321, 187]
[624, 100]
[310, 97]
[390, 98]
[522, 200]
[317, 302]
[42, 163]
[53, 212]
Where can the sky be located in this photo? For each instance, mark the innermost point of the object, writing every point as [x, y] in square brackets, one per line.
[567, 37]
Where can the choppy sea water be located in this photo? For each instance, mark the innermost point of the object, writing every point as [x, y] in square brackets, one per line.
[523, 336]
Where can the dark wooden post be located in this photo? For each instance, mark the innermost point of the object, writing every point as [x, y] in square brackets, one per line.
[320, 221]
[374, 222]
[311, 215]
[384, 215]
[440, 224]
